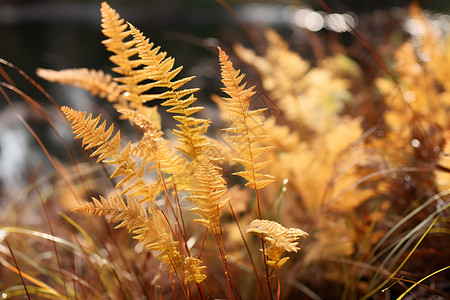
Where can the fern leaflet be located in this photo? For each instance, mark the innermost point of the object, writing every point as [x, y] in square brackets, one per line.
[242, 135]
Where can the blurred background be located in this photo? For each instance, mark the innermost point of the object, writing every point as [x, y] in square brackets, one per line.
[63, 33]
[60, 34]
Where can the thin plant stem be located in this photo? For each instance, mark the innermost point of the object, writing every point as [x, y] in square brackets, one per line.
[17, 267]
[177, 202]
[182, 230]
[201, 290]
[174, 214]
[224, 260]
[181, 283]
[34, 134]
[171, 283]
[248, 251]
[41, 111]
[121, 285]
[203, 243]
[44, 207]
[266, 267]
[420, 283]
[401, 265]
[279, 286]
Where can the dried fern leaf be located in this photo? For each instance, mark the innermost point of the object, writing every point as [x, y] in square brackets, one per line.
[208, 193]
[131, 215]
[155, 149]
[156, 235]
[123, 47]
[152, 146]
[281, 239]
[94, 136]
[115, 29]
[421, 65]
[193, 270]
[96, 82]
[242, 135]
[304, 94]
[159, 69]
[154, 232]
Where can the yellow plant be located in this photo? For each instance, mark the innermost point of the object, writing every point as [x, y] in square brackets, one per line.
[308, 148]
[280, 238]
[142, 67]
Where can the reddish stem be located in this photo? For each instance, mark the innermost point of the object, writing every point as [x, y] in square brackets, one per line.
[266, 267]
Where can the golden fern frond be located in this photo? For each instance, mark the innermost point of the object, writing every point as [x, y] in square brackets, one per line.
[153, 65]
[304, 94]
[154, 148]
[281, 239]
[115, 29]
[152, 137]
[193, 270]
[94, 136]
[208, 193]
[131, 215]
[154, 232]
[156, 235]
[143, 121]
[96, 82]
[158, 68]
[243, 136]
[218, 151]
